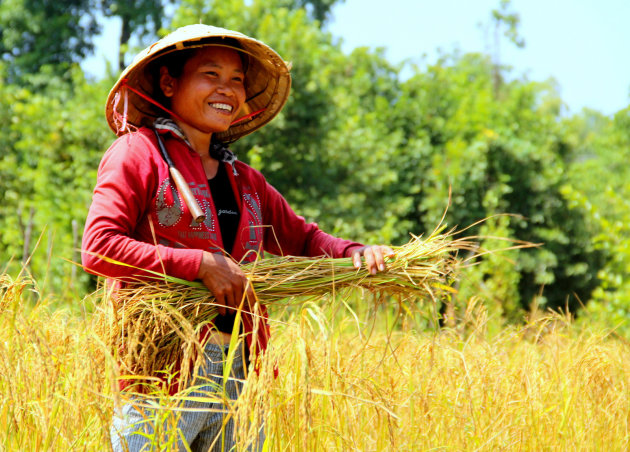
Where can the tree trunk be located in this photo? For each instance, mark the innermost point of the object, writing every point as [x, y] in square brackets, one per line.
[27, 232]
[125, 35]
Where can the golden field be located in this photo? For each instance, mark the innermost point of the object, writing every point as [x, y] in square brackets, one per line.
[366, 380]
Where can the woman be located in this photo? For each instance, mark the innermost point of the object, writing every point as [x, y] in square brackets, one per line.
[179, 104]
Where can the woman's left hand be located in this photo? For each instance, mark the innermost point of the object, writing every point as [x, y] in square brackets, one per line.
[374, 257]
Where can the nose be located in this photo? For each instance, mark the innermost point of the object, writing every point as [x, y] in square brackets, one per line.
[224, 87]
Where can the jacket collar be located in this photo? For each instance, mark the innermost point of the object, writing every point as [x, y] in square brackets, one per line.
[218, 151]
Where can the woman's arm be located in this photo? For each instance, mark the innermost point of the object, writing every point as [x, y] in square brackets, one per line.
[127, 179]
[290, 234]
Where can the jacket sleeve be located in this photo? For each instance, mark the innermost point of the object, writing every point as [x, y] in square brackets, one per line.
[126, 181]
[289, 234]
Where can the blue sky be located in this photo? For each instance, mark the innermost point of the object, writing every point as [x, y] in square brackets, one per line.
[583, 44]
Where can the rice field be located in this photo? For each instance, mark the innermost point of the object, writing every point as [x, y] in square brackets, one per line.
[366, 380]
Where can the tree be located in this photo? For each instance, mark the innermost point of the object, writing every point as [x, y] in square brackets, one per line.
[51, 144]
[44, 33]
[319, 9]
[138, 17]
[599, 175]
[373, 158]
[498, 156]
[368, 155]
[504, 22]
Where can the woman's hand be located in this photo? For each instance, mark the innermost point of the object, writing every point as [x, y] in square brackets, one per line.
[374, 257]
[225, 279]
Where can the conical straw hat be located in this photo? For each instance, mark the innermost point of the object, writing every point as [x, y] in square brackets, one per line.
[267, 82]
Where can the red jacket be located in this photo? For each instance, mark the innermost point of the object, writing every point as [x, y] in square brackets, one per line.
[137, 216]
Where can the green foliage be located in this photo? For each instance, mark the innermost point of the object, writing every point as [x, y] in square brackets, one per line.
[138, 17]
[44, 33]
[508, 20]
[373, 157]
[495, 155]
[370, 155]
[318, 9]
[600, 186]
[51, 143]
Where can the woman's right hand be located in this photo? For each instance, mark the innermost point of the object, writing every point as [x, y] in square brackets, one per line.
[225, 279]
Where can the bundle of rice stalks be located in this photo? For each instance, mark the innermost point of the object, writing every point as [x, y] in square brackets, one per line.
[157, 323]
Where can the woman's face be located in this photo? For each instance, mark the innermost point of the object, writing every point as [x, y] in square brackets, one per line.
[210, 92]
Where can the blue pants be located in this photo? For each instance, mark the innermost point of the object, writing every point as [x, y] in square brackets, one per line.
[203, 430]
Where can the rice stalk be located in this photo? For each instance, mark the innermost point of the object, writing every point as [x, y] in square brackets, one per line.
[156, 323]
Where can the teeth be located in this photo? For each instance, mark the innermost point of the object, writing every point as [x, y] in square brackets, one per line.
[220, 106]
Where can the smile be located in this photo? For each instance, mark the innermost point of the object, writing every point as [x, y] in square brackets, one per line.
[220, 106]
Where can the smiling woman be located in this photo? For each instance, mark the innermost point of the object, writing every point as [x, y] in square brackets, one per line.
[206, 97]
[176, 108]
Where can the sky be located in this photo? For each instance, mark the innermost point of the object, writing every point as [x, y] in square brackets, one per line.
[584, 45]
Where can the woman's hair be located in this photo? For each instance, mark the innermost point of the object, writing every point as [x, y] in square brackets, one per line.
[174, 62]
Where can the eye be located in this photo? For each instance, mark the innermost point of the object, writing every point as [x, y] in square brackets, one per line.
[212, 73]
[238, 79]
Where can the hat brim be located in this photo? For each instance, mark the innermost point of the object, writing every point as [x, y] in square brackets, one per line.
[268, 82]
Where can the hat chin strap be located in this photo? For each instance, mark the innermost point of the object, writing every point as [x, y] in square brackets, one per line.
[246, 117]
[125, 125]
